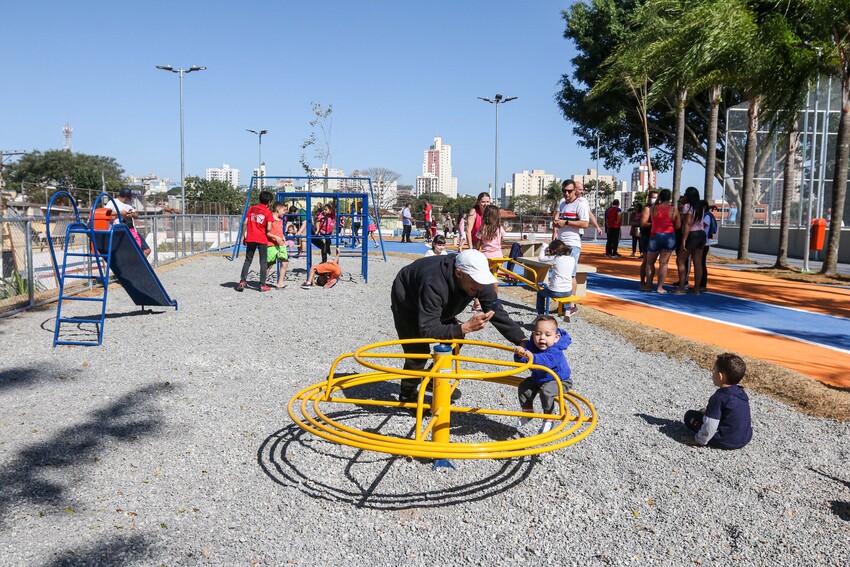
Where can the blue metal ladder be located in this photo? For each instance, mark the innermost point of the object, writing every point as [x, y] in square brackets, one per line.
[92, 253]
[101, 276]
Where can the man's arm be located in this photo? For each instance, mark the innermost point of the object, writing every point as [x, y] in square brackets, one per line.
[501, 320]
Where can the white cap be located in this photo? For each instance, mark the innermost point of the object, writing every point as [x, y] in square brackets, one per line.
[475, 265]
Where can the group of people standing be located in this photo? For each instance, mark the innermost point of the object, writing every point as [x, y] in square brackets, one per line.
[685, 228]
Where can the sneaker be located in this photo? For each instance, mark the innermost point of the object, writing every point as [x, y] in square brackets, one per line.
[264, 288]
[574, 309]
[633, 254]
[678, 291]
[523, 421]
[547, 426]
[240, 286]
[306, 285]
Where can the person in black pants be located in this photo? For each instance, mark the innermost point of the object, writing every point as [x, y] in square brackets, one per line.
[613, 222]
[428, 294]
[326, 228]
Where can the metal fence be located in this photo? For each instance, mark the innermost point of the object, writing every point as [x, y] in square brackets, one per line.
[27, 275]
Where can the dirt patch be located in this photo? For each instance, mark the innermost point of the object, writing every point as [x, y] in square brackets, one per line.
[787, 386]
[724, 260]
[796, 275]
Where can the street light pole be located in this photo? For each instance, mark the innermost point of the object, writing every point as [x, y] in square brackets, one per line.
[597, 176]
[259, 133]
[497, 100]
[182, 72]
[812, 176]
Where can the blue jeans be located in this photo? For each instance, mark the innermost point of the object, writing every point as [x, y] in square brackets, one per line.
[545, 293]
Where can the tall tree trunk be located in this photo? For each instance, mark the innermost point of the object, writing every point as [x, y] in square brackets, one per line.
[788, 183]
[748, 188]
[839, 180]
[711, 154]
[681, 98]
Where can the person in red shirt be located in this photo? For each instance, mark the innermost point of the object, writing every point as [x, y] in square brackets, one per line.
[256, 239]
[428, 218]
[613, 222]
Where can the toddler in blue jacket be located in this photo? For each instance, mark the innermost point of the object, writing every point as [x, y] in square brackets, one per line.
[547, 345]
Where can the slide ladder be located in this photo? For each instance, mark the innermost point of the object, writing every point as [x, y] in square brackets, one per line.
[113, 249]
[90, 258]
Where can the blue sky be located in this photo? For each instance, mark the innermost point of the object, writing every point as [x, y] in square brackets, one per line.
[397, 74]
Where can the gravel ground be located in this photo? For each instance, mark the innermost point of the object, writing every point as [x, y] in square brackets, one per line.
[171, 445]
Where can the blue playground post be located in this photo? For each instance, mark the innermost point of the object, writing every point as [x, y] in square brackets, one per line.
[307, 197]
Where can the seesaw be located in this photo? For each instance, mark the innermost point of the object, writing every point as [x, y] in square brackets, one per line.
[431, 438]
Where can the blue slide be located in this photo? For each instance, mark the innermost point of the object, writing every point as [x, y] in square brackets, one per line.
[131, 268]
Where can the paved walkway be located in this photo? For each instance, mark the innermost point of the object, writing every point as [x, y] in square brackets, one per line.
[799, 326]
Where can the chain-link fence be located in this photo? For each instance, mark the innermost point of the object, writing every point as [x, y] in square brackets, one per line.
[28, 275]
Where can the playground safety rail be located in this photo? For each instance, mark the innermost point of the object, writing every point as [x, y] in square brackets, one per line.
[27, 277]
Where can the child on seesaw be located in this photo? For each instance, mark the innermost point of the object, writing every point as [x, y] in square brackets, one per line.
[547, 345]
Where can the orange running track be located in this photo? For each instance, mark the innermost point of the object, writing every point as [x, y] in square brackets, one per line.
[827, 365]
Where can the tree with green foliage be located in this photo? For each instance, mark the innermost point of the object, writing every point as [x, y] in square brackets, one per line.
[459, 205]
[599, 28]
[63, 169]
[831, 29]
[215, 191]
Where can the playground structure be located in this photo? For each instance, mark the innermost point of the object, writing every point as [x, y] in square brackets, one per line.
[575, 419]
[534, 278]
[351, 205]
[105, 248]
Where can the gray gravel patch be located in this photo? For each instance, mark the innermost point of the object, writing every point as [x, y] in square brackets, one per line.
[171, 444]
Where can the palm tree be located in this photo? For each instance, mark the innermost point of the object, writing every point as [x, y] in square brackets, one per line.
[831, 27]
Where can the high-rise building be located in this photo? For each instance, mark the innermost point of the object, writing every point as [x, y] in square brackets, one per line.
[437, 171]
[641, 178]
[325, 185]
[260, 172]
[532, 183]
[224, 173]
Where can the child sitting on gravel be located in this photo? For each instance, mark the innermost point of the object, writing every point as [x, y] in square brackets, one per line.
[547, 345]
[725, 423]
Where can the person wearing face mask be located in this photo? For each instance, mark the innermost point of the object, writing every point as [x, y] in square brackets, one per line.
[645, 231]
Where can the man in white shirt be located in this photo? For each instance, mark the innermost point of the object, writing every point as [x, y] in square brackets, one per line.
[572, 215]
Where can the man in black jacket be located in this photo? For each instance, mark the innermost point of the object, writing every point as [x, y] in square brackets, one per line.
[427, 296]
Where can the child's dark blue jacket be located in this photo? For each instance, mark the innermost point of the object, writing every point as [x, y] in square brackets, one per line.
[553, 357]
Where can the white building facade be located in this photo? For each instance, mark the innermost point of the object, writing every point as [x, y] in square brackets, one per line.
[532, 183]
[326, 185]
[224, 173]
[437, 171]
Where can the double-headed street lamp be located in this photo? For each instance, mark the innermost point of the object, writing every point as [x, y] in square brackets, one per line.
[181, 72]
[259, 133]
[497, 100]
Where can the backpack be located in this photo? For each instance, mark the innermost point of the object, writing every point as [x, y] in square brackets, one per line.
[712, 225]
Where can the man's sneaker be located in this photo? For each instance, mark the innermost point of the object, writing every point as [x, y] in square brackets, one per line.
[240, 286]
[264, 288]
[523, 421]
[547, 426]
[306, 285]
